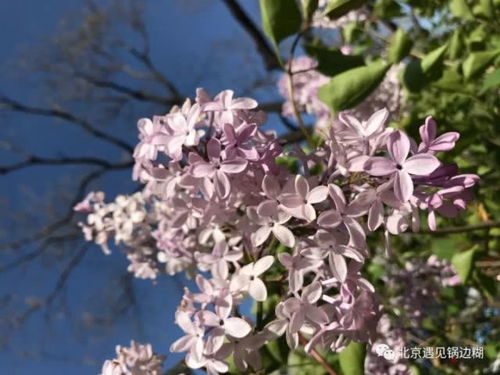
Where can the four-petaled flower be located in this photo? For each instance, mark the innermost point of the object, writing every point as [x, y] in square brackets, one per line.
[247, 279]
[400, 167]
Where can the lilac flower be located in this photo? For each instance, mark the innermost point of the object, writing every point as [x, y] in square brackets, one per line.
[271, 220]
[239, 141]
[219, 259]
[336, 253]
[150, 143]
[136, 359]
[193, 340]
[248, 278]
[343, 214]
[215, 168]
[245, 352]
[300, 203]
[222, 324]
[366, 130]
[297, 266]
[430, 143]
[182, 131]
[400, 167]
[225, 104]
[304, 309]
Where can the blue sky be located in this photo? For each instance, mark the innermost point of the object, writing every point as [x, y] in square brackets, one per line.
[200, 47]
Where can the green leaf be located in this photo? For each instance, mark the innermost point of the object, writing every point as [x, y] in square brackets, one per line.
[463, 263]
[477, 62]
[399, 47]
[308, 8]
[484, 9]
[387, 9]
[460, 9]
[486, 284]
[349, 88]
[433, 59]
[300, 363]
[352, 359]
[331, 61]
[280, 19]
[492, 80]
[337, 8]
[456, 44]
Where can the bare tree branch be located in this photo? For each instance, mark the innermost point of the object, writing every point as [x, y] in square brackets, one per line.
[146, 60]
[466, 228]
[13, 105]
[133, 93]
[271, 106]
[66, 219]
[36, 160]
[61, 282]
[270, 60]
[39, 250]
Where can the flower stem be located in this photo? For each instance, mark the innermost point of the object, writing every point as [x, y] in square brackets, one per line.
[318, 357]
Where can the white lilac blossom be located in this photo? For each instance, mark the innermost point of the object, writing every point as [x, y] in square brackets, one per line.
[217, 206]
[138, 359]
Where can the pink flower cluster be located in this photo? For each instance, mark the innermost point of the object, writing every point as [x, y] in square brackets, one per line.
[217, 203]
[138, 359]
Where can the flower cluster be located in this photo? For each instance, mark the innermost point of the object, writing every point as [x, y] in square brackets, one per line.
[219, 200]
[138, 359]
[129, 220]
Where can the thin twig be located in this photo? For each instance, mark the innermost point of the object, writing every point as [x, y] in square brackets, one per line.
[13, 105]
[36, 160]
[467, 228]
[318, 357]
[133, 93]
[270, 60]
[291, 92]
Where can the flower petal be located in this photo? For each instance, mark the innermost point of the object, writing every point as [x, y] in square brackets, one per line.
[375, 215]
[398, 146]
[379, 166]
[237, 327]
[403, 186]
[376, 122]
[317, 195]
[301, 186]
[261, 235]
[338, 266]
[270, 186]
[421, 164]
[284, 235]
[257, 290]
[329, 219]
[234, 166]
[262, 265]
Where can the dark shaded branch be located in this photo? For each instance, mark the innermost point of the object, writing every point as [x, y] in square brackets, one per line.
[290, 126]
[61, 282]
[271, 106]
[13, 105]
[294, 136]
[39, 250]
[66, 219]
[146, 60]
[133, 93]
[35, 160]
[467, 228]
[270, 60]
